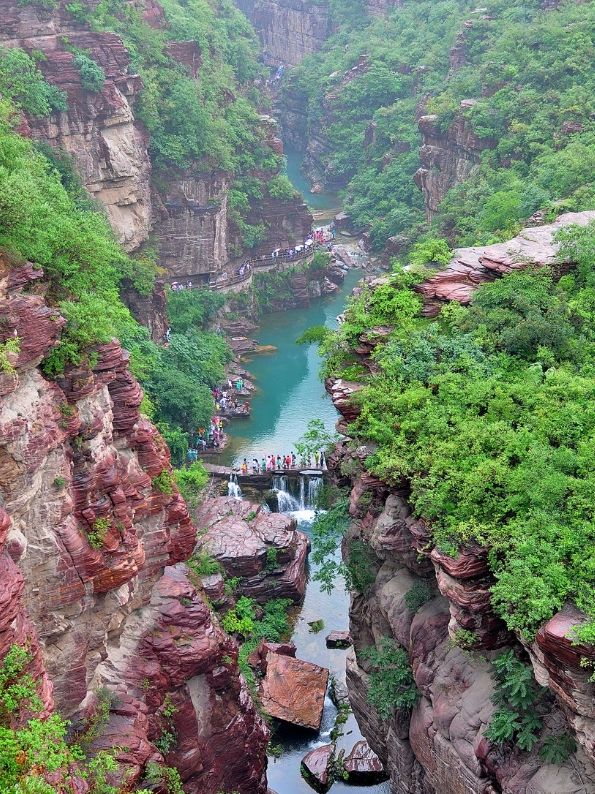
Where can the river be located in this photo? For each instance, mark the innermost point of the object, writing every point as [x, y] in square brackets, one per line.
[290, 394]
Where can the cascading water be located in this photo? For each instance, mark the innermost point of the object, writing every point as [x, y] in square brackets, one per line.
[233, 487]
[286, 502]
[303, 500]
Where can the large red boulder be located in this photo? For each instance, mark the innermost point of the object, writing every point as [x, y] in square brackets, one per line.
[294, 690]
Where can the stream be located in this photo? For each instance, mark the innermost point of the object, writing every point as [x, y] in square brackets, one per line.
[290, 394]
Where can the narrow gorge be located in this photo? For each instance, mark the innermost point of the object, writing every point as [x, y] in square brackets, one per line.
[296, 387]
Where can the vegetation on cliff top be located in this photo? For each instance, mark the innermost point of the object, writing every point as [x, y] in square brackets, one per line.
[529, 72]
[487, 413]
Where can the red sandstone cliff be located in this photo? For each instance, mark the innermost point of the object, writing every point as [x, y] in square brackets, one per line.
[90, 552]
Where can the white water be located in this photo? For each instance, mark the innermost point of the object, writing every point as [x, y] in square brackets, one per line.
[233, 487]
[302, 501]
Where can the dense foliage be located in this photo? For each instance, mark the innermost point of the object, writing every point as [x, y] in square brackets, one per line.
[487, 413]
[530, 72]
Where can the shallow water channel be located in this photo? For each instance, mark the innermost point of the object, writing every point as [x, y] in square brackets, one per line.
[284, 772]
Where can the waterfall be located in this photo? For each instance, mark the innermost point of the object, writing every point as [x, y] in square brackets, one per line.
[304, 497]
[285, 501]
[314, 485]
[233, 487]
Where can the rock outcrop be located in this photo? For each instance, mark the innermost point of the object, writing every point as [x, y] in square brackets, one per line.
[288, 29]
[90, 551]
[472, 267]
[265, 549]
[447, 157]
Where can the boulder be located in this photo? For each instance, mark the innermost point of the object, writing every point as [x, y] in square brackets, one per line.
[338, 639]
[294, 690]
[316, 767]
[240, 534]
[339, 693]
[363, 766]
[258, 657]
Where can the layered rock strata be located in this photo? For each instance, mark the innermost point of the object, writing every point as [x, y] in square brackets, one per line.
[447, 157]
[99, 131]
[288, 29]
[471, 267]
[92, 531]
[264, 549]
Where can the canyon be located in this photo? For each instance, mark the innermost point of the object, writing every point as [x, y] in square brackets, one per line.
[95, 536]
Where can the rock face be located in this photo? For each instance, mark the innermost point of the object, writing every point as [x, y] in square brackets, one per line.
[288, 29]
[293, 690]
[89, 546]
[98, 129]
[474, 266]
[447, 158]
[192, 230]
[264, 549]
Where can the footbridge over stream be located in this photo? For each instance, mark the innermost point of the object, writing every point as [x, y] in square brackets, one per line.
[263, 479]
[295, 489]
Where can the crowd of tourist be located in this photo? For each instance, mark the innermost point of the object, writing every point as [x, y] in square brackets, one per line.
[275, 463]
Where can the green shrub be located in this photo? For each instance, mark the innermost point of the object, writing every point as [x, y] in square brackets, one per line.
[280, 188]
[164, 482]
[515, 697]
[191, 481]
[419, 594]
[22, 82]
[92, 75]
[271, 559]
[203, 564]
[391, 680]
[361, 567]
[10, 347]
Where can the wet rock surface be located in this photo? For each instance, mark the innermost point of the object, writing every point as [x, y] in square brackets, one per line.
[338, 639]
[294, 690]
[317, 765]
[363, 766]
